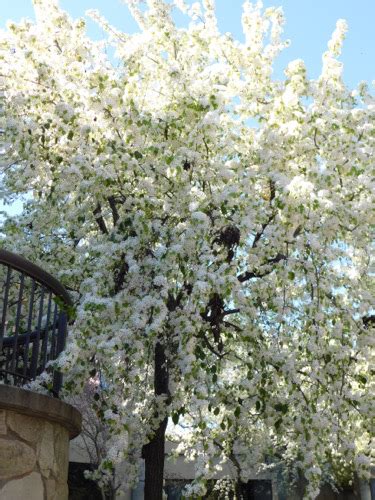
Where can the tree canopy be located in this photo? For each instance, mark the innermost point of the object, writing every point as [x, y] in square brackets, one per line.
[214, 226]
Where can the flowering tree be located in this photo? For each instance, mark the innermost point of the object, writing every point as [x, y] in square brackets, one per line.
[214, 227]
[95, 437]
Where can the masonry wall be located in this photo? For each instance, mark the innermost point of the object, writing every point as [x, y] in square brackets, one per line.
[34, 445]
[33, 458]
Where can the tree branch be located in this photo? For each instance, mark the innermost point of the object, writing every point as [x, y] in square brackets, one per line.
[120, 274]
[115, 214]
[220, 355]
[99, 219]
[231, 311]
[248, 275]
[260, 233]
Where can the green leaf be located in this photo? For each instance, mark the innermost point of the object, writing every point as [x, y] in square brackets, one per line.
[237, 412]
[175, 417]
[200, 353]
[258, 405]
[278, 423]
[70, 135]
[327, 358]
[283, 407]
[362, 379]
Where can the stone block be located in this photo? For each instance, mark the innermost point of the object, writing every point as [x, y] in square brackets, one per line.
[61, 453]
[3, 427]
[45, 450]
[16, 459]
[50, 489]
[30, 487]
[62, 492]
[28, 428]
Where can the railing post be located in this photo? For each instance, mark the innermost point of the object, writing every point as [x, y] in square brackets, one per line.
[35, 351]
[60, 344]
[17, 324]
[28, 331]
[5, 306]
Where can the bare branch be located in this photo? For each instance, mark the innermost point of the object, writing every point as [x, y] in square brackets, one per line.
[232, 325]
[315, 139]
[99, 219]
[58, 46]
[260, 233]
[248, 275]
[231, 311]
[115, 214]
[211, 348]
[120, 274]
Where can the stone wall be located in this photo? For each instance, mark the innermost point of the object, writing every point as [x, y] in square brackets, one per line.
[34, 446]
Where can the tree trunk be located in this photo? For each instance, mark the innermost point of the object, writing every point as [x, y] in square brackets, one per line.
[153, 452]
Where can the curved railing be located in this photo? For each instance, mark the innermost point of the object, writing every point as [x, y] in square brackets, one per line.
[33, 321]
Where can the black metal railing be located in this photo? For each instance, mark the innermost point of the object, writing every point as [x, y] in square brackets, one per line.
[33, 321]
